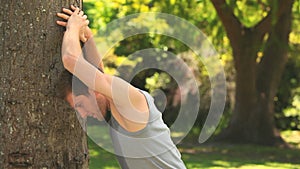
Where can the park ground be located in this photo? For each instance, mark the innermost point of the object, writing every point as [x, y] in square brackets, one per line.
[217, 156]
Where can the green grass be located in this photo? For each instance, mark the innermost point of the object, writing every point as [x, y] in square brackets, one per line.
[243, 157]
[221, 156]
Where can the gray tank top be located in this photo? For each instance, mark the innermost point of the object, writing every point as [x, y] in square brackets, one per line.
[149, 148]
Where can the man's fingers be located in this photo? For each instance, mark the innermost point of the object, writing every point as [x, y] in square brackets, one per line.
[81, 13]
[67, 14]
[61, 23]
[67, 11]
[87, 22]
[76, 11]
[63, 16]
[73, 7]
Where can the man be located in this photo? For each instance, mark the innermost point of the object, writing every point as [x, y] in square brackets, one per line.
[140, 138]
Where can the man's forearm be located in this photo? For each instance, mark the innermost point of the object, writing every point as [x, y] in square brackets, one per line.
[91, 53]
[74, 61]
[71, 49]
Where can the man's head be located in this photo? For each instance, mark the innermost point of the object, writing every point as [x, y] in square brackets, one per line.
[68, 83]
[84, 100]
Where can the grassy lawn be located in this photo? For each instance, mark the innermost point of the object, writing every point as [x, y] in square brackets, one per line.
[221, 156]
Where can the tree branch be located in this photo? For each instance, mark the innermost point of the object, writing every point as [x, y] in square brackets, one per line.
[270, 68]
[231, 23]
[265, 25]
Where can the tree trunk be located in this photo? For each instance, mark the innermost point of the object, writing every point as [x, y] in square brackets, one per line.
[38, 130]
[256, 82]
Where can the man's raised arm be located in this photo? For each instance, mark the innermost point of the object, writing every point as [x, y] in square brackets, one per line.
[90, 51]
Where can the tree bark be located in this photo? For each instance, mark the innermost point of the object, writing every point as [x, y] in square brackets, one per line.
[38, 130]
[256, 82]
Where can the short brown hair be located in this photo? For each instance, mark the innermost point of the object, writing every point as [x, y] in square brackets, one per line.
[67, 82]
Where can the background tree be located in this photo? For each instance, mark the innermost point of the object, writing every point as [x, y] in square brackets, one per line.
[260, 53]
[38, 130]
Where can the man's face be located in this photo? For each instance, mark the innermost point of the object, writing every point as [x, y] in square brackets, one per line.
[87, 105]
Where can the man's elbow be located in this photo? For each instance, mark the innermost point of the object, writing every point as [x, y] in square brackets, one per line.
[68, 62]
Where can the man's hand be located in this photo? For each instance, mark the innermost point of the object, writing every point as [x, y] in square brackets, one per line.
[84, 32]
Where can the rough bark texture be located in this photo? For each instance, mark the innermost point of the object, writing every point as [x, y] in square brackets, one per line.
[256, 82]
[38, 130]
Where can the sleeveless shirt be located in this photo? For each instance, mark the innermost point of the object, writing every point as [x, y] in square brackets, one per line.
[149, 148]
